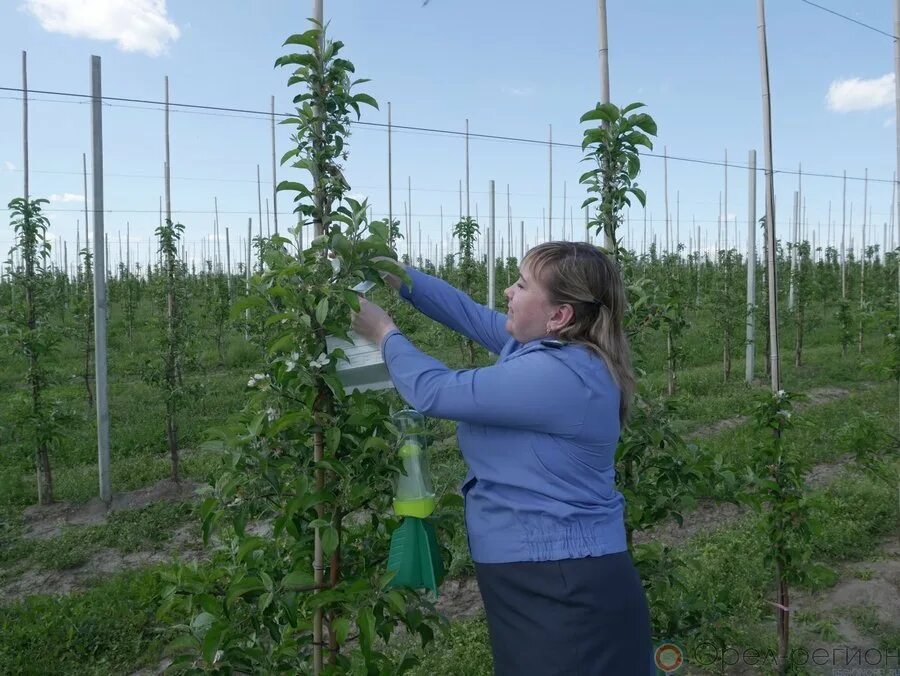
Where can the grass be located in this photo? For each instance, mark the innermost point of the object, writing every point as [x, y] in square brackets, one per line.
[885, 634]
[125, 530]
[111, 628]
[822, 433]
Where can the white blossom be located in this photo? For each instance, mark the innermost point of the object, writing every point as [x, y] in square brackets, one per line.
[319, 361]
[256, 379]
[271, 414]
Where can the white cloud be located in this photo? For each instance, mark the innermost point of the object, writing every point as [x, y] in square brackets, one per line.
[66, 197]
[888, 122]
[135, 25]
[8, 166]
[518, 91]
[845, 96]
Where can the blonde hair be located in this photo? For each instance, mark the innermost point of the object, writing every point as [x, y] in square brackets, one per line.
[581, 275]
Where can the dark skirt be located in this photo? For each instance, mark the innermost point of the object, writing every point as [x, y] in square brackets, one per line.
[578, 617]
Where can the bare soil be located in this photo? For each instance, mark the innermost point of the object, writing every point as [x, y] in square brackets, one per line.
[47, 521]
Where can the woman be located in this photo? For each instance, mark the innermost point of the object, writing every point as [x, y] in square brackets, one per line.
[538, 431]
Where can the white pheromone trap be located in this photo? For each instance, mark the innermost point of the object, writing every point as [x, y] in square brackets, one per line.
[364, 368]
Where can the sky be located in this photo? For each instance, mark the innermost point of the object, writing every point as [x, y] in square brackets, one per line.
[511, 68]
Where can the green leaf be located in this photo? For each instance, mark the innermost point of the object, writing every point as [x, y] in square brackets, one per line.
[640, 195]
[646, 123]
[295, 186]
[333, 439]
[286, 343]
[202, 622]
[212, 641]
[606, 112]
[638, 139]
[588, 175]
[341, 244]
[593, 136]
[365, 98]
[307, 60]
[249, 585]
[297, 580]
[352, 299]
[250, 545]
[340, 627]
[322, 311]
[207, 507]
[180, 643]
[396, 602]
[366, 623]
[334, 385]
[308, 39]
[380, 230]
[329, 538]
[246, 303]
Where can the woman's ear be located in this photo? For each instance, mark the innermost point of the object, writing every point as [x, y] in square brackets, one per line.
[560, 318]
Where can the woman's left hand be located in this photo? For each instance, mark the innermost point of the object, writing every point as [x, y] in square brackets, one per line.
[371, 322]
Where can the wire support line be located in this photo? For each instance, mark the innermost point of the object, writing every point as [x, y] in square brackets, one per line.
[847, 18]
[445, 132]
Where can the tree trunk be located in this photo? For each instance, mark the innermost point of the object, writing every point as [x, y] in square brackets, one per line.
[783, 619]
[670, 353]
[172, 375]
[726, 355]
[172, 438]
[87, 369]
[45, 477]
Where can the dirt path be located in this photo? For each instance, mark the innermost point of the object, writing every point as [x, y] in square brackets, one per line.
[47, 522]
[185, 545]
[814, 397]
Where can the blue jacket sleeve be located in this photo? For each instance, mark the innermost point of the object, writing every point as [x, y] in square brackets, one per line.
[443, 303]
[534, 391]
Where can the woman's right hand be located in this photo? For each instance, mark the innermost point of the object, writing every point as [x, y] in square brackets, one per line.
[393, 280]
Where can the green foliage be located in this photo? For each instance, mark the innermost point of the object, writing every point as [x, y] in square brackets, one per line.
[467, 272]
[313, 465]
[29, 331]
[613, 147]
[171, 295]
[729, 303]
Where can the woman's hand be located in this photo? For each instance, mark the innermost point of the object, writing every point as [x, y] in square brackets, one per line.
[371, 322]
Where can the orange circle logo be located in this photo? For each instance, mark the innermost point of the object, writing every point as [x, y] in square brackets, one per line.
[668, 658]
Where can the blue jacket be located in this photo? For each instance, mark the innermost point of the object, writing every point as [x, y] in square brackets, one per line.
[538, 431]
